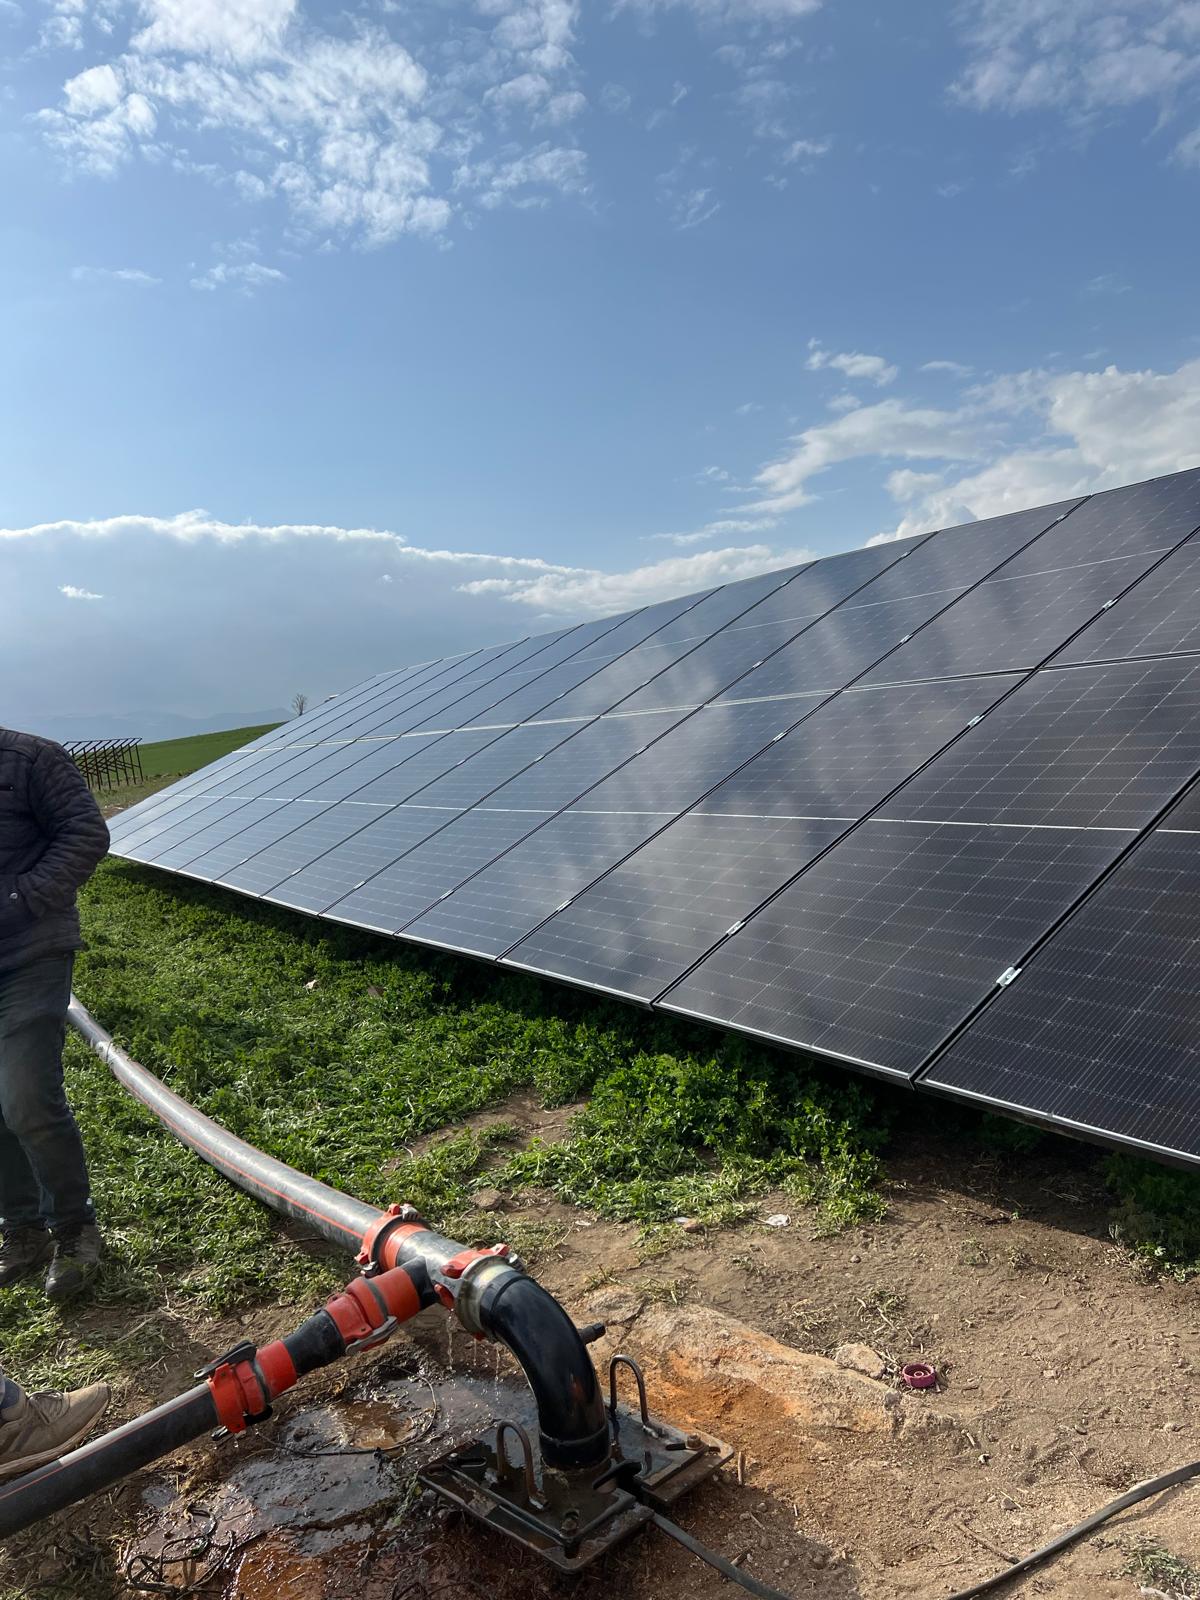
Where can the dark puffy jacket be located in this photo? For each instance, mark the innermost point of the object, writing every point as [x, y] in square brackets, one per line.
[52, 836]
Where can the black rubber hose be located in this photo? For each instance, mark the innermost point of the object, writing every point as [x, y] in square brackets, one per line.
[1140, 1491]
[334, 1215]
[572, 1421]
[104, 1461]
[718, 1563]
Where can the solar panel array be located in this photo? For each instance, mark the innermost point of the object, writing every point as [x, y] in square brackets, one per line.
[930, 808]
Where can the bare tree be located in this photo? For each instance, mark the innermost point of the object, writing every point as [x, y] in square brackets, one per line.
[299, 704]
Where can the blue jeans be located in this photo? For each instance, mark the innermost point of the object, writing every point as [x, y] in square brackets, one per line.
[43, 1170]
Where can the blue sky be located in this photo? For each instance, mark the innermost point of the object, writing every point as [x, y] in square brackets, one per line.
[460, 321]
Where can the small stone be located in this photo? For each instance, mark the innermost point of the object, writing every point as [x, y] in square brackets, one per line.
[1049, 1372]
[488, 1200]
[779, 1220]
[1172, 1427]
[688, 1224]
[860, 1358]
[856, 1260]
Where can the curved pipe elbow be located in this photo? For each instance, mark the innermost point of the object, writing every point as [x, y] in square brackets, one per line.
[572, 1421]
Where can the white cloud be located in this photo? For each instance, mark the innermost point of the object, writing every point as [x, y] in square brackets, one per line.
[853, 364]
[73, 592]
[1106, 283]
[526, 581]
[692, 208]
[890, 428]
[233, 30]
[954, 369]
[134, 275]
[1081, 58]
[359, 139]
[844, 402]
[806, 150]
[595, 593]
[732, 10]
[245, 276]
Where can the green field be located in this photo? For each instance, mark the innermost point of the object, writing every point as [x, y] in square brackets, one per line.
[177, 756]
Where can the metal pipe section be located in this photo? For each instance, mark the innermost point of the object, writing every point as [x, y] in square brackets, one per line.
[334, 1215]
[489, 1291]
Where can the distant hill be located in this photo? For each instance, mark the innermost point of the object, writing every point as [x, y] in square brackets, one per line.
[148, 725]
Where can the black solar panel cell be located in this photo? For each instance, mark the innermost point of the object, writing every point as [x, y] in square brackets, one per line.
[1144, 518]
[439, 755]
[1159, 616]
[243, 842]
[958, 557]
[889, 940]
[1100, 1032]
[477, 775]
[678, 639]
[637, 929]
[351, 862]
[1009, 622]
[315, 830]
[1102, 747]
[403, 890]
[180, 822]
[220, 825]
[591, 753]
[839, 647]
[512, 895]
[847, 756]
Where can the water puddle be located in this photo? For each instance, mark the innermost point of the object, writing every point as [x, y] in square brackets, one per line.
[324, 1504]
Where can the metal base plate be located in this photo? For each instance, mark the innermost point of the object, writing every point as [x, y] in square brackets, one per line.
[572, 1518]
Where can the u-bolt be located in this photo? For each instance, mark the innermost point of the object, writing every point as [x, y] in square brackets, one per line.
[626, 1361]
[504, 1466]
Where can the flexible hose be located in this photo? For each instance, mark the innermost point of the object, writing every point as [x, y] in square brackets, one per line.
[1140, 1491]
[718, 1563]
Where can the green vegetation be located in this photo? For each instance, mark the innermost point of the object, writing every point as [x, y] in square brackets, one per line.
[178, 756]
[1157, 1215]
[336, 1050]
[1156, 1568]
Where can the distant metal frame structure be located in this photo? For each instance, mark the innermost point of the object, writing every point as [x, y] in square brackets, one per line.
[107, 763]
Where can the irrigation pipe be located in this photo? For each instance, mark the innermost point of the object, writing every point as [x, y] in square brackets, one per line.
[412, 1266]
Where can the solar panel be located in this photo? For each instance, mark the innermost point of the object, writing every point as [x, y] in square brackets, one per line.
[636, 930]
[509, 898]
[754, 635]
[848, 756]
[1082, 747]
[678, 639]
[1010, 621]
[836, 806]
[543, 695]
[1159, 616]
[891, 939]
[1099, 1032]
[399, 889]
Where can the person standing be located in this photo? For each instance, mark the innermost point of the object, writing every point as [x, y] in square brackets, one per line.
[52, 837]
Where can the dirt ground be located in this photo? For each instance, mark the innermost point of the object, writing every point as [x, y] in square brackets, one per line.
[1065, 1377]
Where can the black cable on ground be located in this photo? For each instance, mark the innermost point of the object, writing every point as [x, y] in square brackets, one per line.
[1140, 1491]
[718, 1563]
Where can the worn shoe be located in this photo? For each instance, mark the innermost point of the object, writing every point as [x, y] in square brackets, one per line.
[76, 1257]
[40, 1427]
[22, 1250]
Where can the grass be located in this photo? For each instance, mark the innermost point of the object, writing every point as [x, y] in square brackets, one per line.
[1155, 1567]
[177, 756]
[387, 1046]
